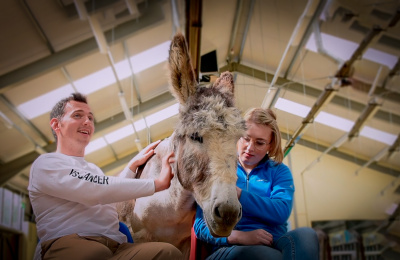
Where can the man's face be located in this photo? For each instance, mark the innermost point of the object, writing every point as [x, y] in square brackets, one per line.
[77, 124]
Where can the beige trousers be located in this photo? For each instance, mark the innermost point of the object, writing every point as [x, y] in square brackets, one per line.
[101, 248]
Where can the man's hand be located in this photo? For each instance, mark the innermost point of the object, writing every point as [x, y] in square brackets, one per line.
[142, 156]
[164, 181]
[254, 237]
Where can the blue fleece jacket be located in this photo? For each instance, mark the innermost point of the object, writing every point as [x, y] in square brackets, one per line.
[267, 200]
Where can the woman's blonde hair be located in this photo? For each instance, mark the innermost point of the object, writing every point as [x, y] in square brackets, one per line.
[267, 117]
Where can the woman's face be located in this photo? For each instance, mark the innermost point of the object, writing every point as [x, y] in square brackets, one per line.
[254, 145]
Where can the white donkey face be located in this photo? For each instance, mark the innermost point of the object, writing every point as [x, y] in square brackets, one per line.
[205, 140]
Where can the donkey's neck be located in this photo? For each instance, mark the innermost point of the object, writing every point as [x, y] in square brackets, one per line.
[183, 199]
[180, 199]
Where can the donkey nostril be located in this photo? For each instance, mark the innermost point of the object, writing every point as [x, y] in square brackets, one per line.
[216, 212]
[240, 214]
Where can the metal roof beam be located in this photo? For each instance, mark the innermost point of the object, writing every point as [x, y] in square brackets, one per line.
[151, 13]
[193, 32]
[314, 92]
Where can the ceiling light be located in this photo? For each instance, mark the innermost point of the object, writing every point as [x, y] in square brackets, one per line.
[338, 47]
[162, 114]
[344, 49]
[119, 134]
[95, 145]
[334, 121]
[380, 57]
[292, 107]
[44, 103]
[95, 81]
[150, 57]
[123, 70]
[378, 135]
[127, 130]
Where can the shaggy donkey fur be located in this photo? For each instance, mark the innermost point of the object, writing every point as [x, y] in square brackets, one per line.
[204, 143]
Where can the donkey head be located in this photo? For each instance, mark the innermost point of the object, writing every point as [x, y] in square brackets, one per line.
[205, 140]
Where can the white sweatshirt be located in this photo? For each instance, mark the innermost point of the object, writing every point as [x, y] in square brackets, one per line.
[69, 195]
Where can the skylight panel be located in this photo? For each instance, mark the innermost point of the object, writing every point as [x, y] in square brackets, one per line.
[292, 107]
[334, 121]
[162, 114]
[344, 49]
[150, 57]
[95, 145]
[44, 103]
[140, 124]
[380, 57]
[128, 129]
[95, 81]
[119, 134]
[378, 135]
[123, 69]
[338, 47]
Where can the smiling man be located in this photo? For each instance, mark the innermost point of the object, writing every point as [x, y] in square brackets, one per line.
[73, 200]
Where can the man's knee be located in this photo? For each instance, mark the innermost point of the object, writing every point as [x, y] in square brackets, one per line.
[74, 247]
[168, 251]
[147, 250]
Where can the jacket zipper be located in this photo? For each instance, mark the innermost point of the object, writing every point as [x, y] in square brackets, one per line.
[247, 181]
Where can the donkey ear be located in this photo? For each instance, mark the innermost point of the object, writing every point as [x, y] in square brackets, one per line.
[225, 83]
[182, 77]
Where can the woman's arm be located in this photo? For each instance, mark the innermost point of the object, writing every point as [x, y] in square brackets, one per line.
[203, 233]
[276, 208]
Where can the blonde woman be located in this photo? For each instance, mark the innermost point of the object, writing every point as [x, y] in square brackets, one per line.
[265, 189]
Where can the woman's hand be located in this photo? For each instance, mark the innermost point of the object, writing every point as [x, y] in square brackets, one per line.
[238, 191]
[164, 180]
[143, 156]
[254, 237]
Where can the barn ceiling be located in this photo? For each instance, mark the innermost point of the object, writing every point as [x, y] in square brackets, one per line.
[329, 61]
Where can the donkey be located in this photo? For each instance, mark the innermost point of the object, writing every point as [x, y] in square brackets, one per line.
[204, 143]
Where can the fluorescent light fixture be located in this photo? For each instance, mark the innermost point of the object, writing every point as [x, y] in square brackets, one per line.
[119, 134]
[123, 69]
[150, 57]
[344, 49]
[162, 114]
[338, 47]
[128, 129]
[380, 57]
[334, 121]
[140, 62]
[95, 145]
[44, 103]
[378, 135]
[95, 81]
[140, 124]
[292, 107]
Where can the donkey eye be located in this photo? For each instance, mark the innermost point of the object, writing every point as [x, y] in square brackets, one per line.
[196, 137]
